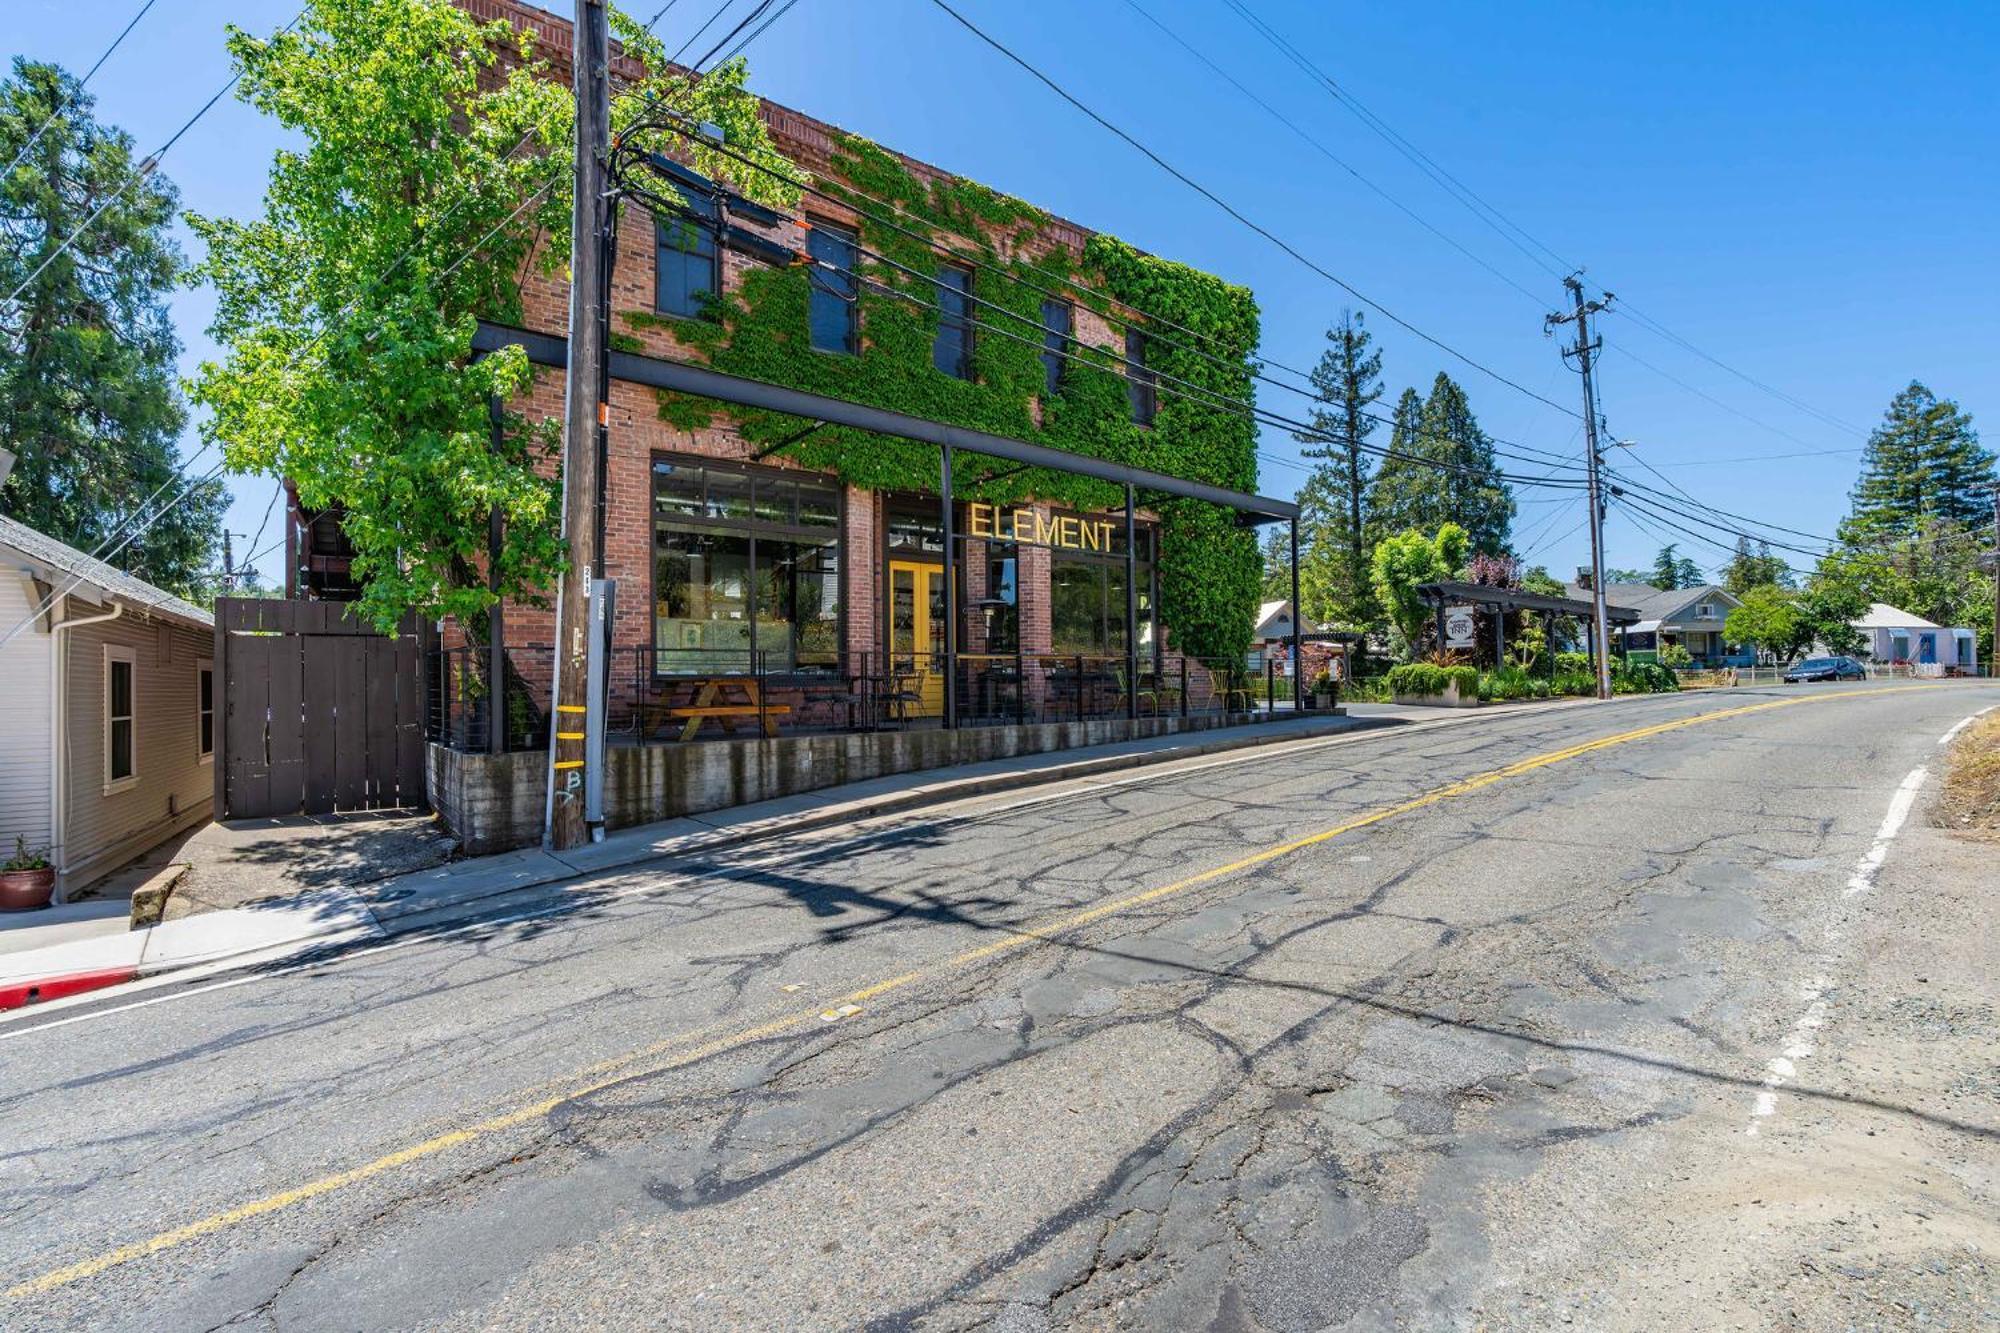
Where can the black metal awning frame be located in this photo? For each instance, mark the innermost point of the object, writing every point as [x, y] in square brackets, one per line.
[682, 377]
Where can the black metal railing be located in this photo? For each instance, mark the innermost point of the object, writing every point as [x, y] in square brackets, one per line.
[664, 695]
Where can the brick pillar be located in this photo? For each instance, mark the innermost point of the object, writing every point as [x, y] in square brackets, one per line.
[861, 579]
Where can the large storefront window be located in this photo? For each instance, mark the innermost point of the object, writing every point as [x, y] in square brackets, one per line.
[1087, 598]
[746, 569]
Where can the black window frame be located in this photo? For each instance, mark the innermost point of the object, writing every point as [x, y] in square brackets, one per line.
[705, 230]
[1056, 343]
[828, 287]
[749, 525]
[953, 326]
[1142, 392]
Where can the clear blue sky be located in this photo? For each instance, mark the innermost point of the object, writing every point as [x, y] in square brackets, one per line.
[1803, 191]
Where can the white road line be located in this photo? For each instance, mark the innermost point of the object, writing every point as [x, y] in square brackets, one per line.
[1870, 865]
[1963, 723]
[1782, 1068]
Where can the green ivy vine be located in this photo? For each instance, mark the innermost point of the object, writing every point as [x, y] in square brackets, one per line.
[1209, 566]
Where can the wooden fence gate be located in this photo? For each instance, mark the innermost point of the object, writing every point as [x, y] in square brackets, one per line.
[318, 712]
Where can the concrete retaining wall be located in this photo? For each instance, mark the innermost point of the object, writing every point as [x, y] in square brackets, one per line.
[494, 803]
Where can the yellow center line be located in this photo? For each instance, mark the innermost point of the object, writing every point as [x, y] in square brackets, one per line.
[612, 1072]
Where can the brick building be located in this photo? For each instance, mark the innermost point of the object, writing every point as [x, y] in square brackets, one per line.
[733, 556]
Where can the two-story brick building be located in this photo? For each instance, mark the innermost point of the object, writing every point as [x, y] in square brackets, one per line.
[809, 555]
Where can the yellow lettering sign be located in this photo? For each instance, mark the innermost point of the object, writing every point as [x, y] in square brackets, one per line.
[1035, 528]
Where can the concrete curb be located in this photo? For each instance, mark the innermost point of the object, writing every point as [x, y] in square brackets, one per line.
[430, 898]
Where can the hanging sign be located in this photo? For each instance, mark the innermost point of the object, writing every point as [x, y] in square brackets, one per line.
[1458, 626]
[1034, 528]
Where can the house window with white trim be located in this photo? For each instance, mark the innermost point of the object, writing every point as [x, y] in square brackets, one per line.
[204, 706]
[121, 723]
[1704, 610]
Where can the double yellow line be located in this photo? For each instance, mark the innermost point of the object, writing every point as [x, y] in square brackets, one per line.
[608, 1074]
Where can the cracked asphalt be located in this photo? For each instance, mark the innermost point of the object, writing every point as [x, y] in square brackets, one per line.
[1490, 1062]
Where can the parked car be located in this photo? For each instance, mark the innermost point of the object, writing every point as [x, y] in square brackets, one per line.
[1826, 668]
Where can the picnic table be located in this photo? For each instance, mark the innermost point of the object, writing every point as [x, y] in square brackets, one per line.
[713, 701]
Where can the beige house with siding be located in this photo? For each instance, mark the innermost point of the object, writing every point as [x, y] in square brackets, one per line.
[106, 712]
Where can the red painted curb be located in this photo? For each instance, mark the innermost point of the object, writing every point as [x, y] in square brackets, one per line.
[23, 993]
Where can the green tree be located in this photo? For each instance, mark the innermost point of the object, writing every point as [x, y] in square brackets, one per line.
[1666, 569]
[1443, 472]
[1671, 571]
[1923, 463]
[1407, 560]
[88, 399]
[425, 171]
[1474, 495]
[1769, 618]
[1749, 569]
[1347, 382]
[1277, 560]
[1402, 494]
[1827, 609]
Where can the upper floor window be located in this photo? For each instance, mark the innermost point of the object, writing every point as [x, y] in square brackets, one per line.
[1704, 610]
[835, 313]
[687, 271]
[951, 351]
[1141, 384]
[1057, 318]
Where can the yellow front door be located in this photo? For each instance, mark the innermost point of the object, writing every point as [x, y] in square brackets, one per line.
[916, 634]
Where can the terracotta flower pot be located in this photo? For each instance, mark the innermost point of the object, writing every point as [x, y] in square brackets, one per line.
[26, 890]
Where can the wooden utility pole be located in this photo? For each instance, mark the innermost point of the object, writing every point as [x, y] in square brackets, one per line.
[584, 412]
[1580, 314]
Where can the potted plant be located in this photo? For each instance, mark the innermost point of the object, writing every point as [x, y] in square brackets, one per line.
[1322, 689]
[27, 880]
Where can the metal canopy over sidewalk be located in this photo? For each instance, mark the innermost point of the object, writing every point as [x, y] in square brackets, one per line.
[657, 372]
[682, 377]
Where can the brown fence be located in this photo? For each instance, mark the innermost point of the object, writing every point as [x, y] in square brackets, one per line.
[319, 713]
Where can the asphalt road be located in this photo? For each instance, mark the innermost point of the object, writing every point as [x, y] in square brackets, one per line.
[1600, 1015]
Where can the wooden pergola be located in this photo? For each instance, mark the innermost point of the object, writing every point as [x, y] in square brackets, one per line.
[1499, 601]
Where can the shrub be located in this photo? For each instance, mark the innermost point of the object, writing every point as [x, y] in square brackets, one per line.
[1643, 678]
[1367, 689]
[1423, 678]
[1575, 681]
[1674, 655]
[1578, 663]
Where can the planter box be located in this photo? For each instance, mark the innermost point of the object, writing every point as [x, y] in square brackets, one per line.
[1449, 699]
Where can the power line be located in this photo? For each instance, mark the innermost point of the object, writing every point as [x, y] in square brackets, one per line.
[56, 112]
[145, 169]
[1507, 229]
[1492, 216]
[1239, 216]
[755, 12]
[1320, 145]
[1733, 410]
[845, 196]
[1164, 380]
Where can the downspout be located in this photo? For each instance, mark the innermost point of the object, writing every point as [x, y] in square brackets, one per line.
[59, 756]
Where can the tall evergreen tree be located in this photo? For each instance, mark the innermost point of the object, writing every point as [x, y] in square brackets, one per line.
[1666, 569]
[1757, 568]
[1923, 462]
[1474, 496]
[1348, 381]
[88, 398]
[1404, 494]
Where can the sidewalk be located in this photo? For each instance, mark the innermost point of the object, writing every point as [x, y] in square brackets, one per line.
[37, 968]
